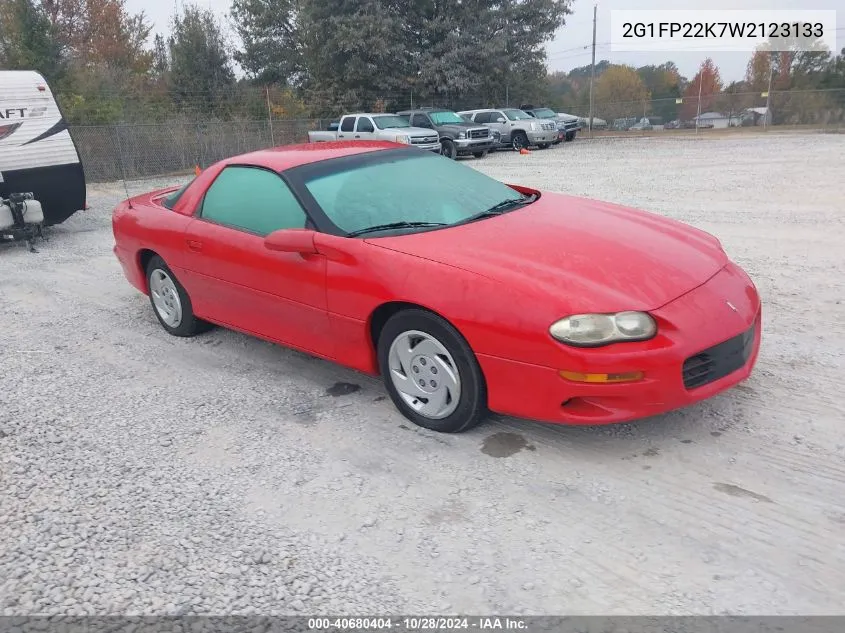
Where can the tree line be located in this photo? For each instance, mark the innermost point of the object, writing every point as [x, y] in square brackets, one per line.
[808, 86]
[311, 58]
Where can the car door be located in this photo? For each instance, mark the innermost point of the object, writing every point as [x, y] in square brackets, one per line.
[238, 282]
[497, 121]
[364, 129]
[347, 128]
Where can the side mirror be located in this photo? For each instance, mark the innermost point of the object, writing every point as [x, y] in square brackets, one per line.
[291, 241]
[500, 120]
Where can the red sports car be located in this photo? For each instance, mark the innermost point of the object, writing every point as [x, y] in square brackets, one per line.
[464, 293]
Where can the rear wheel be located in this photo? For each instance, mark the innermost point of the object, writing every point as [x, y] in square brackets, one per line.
[448, 149]
[170, 302]
[431, 373]
[519, 141]
[480, 154]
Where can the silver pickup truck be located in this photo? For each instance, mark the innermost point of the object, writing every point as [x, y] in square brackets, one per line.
[378, 127]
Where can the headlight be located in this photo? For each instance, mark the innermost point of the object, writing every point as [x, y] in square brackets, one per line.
[462, 135]
[592, 330]
[403, 138]
[533, 125]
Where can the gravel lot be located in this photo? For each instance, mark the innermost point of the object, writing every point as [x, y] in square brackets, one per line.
[144, 474]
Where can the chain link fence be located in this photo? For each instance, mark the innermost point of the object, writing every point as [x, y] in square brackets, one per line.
[142, 150]
[127, 151]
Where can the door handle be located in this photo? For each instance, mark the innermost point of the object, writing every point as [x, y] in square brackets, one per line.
[357, 136]
[194, 245]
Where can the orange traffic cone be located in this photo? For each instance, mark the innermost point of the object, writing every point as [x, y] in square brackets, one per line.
[524, 151]
[197, 170]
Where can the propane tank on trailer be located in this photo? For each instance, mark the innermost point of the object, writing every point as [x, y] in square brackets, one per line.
[7, 220]
[33, 213]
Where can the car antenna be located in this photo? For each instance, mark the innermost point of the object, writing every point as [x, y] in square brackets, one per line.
[123, 169]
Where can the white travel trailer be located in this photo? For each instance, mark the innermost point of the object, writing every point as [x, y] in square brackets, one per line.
[40, 170]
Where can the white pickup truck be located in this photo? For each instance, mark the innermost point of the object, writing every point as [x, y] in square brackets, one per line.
[378, 127]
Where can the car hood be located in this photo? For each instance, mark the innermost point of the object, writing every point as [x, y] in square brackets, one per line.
[412, 131]
[459, 127]
[589, 255]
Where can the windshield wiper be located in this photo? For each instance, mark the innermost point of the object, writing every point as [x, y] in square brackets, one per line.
[394, 225]
[502, 207]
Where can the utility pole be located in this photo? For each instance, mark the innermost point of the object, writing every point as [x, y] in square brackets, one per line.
[698, 117]
[769, 92]
[593, 69]
[270, 118]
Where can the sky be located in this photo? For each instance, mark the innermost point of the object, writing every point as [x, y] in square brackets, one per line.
[571, 46]
[578, 32]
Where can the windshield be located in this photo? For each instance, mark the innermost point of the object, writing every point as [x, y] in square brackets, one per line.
[390, 121]
[517, 115]
[545, 113]
[442, 118]
[396, 187]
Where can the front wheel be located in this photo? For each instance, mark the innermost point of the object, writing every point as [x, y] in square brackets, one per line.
[431, 373]
[519, 141]
[448, 149]
[480, 154]
[570, 136]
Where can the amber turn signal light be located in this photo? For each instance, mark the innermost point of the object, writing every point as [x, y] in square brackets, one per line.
[575, 376]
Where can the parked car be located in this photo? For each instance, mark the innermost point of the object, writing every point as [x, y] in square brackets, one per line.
[378, 127]
[364, 253]
[598, 124]
[623, 124]
[672, 125]
[519, 129]
[458, 137]
[567, 125]
[641, 125]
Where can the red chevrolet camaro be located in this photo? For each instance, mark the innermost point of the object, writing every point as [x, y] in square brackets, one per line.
[464, 293]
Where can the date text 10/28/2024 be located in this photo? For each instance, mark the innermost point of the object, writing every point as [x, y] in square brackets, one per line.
[422, 623]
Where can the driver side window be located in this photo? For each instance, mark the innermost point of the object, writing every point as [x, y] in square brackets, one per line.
[252, 199]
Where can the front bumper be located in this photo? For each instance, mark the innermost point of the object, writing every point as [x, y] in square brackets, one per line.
[688, 326]
[543, 136]
[430, 147]
[471, 146]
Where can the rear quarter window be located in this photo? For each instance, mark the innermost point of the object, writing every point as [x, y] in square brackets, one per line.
[170, 201]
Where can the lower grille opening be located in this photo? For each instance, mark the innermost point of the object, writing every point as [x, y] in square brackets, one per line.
[718, 361]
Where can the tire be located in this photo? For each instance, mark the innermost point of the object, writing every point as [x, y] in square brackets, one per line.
[544, 145]
[448, 149]
[441, 351]
[570, 136]
[480, 154]
[170, 302]
[519, 141]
